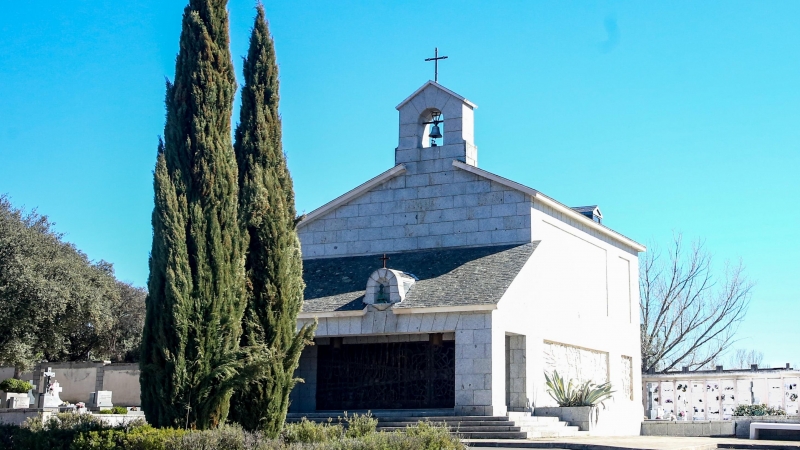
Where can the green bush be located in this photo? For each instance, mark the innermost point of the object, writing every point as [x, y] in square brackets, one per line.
[115, 410]
[758, 410]
[430, 436]
[360, 425]
[307, 431]
[15, 386]
[56, 433]
[83, 432]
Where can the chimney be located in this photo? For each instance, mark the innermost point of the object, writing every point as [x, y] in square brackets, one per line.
[685, 369]
[788, 366]
[719, 368]
[753, 366]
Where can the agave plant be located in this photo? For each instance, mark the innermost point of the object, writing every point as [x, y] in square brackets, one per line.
[584, 394]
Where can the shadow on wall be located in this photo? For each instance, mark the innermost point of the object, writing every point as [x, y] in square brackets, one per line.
[79, 380]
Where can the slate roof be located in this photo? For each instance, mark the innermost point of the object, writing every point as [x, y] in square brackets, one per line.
[584, 209]
[447, 277]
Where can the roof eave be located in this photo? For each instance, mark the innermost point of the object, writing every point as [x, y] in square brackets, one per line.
[352, 194]
[439, 86]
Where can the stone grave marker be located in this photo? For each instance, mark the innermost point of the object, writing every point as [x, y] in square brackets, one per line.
[51, 398]
[100, 399]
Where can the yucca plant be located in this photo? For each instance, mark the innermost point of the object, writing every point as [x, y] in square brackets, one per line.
[584, 394]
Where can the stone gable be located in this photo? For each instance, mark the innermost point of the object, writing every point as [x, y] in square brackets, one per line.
[422, 208]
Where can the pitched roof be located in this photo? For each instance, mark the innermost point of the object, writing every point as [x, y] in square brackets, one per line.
[439, 86]
[447, 277]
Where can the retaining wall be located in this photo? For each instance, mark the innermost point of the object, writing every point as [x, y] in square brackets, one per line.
[695, 428]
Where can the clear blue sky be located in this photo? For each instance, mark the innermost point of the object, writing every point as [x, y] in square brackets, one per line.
[671, 116]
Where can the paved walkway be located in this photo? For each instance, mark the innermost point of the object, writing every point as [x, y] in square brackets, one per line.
[636, 443]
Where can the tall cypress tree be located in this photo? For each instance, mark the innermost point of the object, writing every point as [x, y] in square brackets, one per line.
[273, 263]
[196, 287]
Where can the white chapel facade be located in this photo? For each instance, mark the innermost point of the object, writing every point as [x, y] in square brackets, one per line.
[438, 284]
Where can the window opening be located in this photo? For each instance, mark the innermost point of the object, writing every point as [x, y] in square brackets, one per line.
[434, 128]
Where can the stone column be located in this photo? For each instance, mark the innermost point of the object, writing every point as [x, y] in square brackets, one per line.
[474, 365]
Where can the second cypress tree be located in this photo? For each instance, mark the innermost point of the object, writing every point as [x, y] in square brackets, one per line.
[273, 265]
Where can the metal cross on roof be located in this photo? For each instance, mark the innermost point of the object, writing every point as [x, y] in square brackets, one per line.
[435, 60]
[384, 259]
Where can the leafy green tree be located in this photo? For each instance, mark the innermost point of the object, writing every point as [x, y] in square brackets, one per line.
[190, 356]
[273, 264]
[121, 342]
[55, 304]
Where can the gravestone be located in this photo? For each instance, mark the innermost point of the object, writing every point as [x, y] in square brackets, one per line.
[31, 397]
[100, 399]
[14, 400]
[50, 398]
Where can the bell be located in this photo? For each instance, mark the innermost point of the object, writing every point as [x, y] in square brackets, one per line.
[435, 133]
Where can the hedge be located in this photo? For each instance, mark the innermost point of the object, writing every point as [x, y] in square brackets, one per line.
[70, 431]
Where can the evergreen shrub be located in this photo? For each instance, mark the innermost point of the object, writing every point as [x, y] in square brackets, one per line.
[115, 410]
[307, 431]
[83, 432]
[360, 425]
[758, 410]
[15, 386]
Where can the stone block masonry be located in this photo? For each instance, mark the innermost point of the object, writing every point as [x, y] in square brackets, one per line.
[431, 205]
[473, 340]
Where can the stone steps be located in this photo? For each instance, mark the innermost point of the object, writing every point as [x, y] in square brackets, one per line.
[518, 426]
[493, 435]
[459, 429]
[542, 427]
[466, 427]
[450, 423]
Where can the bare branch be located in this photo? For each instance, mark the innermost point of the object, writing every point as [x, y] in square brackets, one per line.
[689, 314]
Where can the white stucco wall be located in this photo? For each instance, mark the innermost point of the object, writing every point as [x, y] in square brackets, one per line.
[578, 290]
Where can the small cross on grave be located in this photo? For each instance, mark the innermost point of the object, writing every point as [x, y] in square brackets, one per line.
[384, 259]
[55, 389]
[48, 375]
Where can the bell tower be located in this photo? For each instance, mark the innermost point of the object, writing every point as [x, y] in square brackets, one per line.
[436, 124]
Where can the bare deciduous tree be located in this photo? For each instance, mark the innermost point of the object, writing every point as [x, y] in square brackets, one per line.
[689, 314]
[743, 358]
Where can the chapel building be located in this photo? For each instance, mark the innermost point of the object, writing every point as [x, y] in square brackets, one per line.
[438, 284]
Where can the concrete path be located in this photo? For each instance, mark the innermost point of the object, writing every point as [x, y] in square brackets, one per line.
[636, 443]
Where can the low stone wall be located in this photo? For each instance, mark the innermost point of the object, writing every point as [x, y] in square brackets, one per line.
[19, 416]
[79, 379]
[695, 428]
[743, 422]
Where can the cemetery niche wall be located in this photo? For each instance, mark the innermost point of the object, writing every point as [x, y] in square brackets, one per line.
[714, 395]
